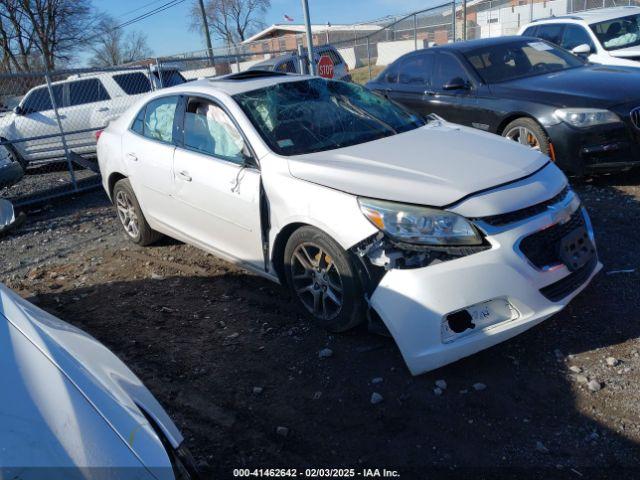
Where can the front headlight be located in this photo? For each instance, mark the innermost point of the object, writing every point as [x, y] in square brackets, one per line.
[586, 117]
[419, 225]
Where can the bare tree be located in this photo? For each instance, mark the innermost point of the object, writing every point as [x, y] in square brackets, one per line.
[231, 21]
[112, 46]
[50, 29]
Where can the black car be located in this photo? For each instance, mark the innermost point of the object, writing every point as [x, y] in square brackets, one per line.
[585, 117]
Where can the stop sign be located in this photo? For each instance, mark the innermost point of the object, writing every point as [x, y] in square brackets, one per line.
[325, 67]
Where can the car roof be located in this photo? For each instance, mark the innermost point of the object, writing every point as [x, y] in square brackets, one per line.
[593, 16]
[236, 83]
[479, 43]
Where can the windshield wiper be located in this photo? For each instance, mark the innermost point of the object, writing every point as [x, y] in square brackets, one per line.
[363, 113]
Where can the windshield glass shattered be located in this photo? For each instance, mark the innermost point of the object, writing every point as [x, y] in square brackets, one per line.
[315, 115]
[618, 33]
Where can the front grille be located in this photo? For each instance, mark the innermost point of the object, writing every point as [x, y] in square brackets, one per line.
[635, 117]
[543, 248]
[524, 213]
[560, 289]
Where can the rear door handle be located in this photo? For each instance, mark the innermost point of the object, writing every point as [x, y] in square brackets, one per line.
[185, 176]
[132, 156]
[103, 109]
[429, 93]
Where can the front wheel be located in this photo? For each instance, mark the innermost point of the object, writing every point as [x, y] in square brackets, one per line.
[529, 133]
[324, 280]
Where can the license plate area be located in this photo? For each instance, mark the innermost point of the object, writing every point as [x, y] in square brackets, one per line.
[476, 318]
[576, 249]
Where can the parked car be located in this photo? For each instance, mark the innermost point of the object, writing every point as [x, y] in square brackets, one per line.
[71, 409]
[11, 171]
[585, 117]
[454, 238]
[609, 36]
[290, 63]
[85, 102]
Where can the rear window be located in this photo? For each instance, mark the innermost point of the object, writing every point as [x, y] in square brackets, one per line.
[133, 83]
[171, 78]
[87, 91]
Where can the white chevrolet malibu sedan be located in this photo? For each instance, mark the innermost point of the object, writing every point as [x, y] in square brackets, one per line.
[451, 238]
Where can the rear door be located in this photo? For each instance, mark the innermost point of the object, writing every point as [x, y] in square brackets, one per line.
[148, 150]
[453, 93]
[413, 82]
[217, 183]
[87, 101]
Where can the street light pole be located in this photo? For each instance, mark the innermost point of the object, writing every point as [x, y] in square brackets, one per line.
[307, 22]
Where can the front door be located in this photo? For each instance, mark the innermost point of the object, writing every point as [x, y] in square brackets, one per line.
[453, 94]
[217, 184]
[37, 119]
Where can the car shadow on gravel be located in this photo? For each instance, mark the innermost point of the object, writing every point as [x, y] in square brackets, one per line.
[232, 359]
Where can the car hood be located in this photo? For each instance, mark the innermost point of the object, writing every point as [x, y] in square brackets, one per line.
[69, 401]
[435, 165]
[597, 86]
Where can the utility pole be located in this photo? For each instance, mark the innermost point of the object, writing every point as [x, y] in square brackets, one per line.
[464, 19]
[307, 22]
[205, 26]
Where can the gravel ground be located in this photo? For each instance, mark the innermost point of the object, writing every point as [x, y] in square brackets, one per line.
[251, 384]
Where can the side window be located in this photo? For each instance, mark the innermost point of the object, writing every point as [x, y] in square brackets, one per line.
[138, 123]
[575, 35]
[416, 70]
[133, 83]
[158, 118]
[390, 74]
[448, 68]
[87, 91]
[208, 129]
[531, 32]
[551, 32]
[39, 100]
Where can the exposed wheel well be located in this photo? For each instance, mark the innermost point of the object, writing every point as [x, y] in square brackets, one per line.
[278, 249]
[511, 118]
[113, 179]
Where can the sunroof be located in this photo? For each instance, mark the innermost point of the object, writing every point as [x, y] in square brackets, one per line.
[250, 74]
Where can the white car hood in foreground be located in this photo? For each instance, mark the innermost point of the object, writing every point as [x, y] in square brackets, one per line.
[435, 165]
[69, 403]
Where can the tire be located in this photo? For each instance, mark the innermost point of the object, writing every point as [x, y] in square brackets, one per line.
[538, 135]
[15, 156]
[323, 280]
[130, 215]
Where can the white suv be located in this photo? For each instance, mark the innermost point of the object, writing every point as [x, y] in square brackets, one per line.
[85, 102]
[610, 36]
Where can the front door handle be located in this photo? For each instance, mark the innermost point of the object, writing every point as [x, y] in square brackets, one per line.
[103, 109]
[132, 157]
[429, 93]
[184, 175]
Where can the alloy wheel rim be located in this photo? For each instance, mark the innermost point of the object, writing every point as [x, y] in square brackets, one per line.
[317, 281]
[523, 136]
[127, 214]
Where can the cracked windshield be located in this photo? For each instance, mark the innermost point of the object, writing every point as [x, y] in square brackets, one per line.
[315, 115]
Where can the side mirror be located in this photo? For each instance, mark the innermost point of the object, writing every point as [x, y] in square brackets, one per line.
[457, 84]
[18, 110]
[582, 49]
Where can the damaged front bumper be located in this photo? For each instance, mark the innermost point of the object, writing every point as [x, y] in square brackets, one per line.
[498, 292]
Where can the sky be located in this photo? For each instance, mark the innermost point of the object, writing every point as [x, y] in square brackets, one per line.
[168, 32]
